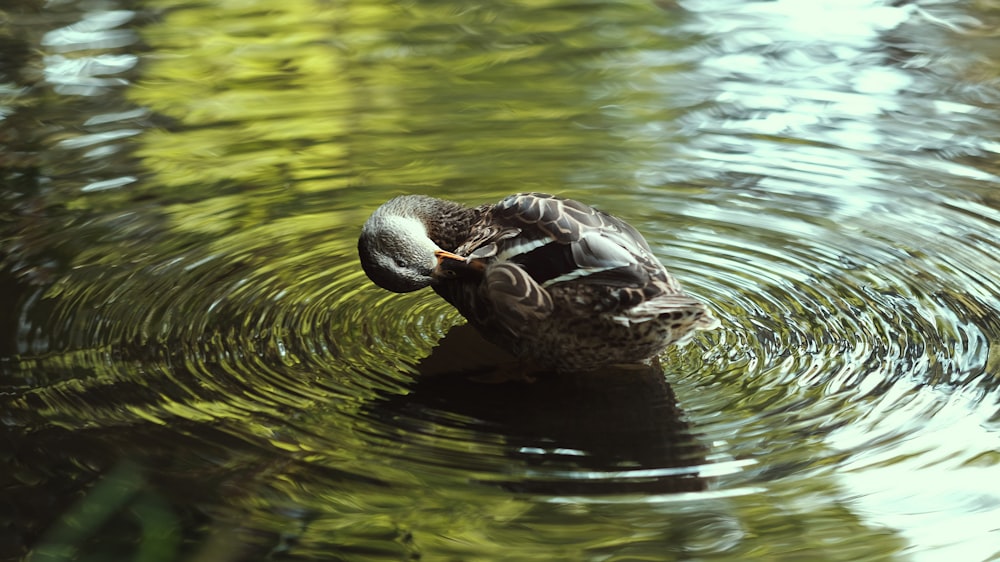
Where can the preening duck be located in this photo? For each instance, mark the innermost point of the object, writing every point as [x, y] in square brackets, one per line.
[551, 280]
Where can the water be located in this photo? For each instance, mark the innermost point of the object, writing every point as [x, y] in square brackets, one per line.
[195, 367]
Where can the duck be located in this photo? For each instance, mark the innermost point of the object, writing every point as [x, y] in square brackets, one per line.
[554, 282]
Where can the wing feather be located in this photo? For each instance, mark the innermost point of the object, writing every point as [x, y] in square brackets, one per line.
[517, 297]
[557, 240]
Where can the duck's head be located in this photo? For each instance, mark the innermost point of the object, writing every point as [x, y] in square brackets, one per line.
[396, 252]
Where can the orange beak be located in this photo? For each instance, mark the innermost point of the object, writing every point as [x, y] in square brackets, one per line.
[450, 263]
[442, 255]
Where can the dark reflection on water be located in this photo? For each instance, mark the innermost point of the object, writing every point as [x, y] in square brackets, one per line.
[612, 431]
[192, 362]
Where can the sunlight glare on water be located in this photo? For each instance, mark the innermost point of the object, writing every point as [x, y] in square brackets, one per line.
[185, 184]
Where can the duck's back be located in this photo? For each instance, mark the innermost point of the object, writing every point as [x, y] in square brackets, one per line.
[562, 242]
[607, 299]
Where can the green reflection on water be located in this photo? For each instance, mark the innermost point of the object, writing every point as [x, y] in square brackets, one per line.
[405, 96]
[216, 307]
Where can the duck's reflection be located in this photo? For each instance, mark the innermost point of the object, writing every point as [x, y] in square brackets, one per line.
[609, 431]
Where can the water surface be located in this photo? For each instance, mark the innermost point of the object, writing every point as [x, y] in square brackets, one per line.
[195, 367]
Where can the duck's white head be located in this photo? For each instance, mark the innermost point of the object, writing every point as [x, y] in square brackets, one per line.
[396, 252]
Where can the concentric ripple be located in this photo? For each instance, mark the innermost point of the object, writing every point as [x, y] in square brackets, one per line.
[182, 248]
[845, 309]
[251, 321]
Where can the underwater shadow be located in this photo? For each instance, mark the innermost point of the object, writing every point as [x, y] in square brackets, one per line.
[609, 431]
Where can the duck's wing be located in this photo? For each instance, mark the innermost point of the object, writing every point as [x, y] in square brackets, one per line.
[557, 240]
[517, 298]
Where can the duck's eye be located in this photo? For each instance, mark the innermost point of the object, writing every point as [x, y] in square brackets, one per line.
[400, 263]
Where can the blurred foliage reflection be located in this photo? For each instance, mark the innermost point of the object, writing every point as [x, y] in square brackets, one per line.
[194, 367]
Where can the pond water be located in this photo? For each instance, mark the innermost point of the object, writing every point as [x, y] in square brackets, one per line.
[194, 366]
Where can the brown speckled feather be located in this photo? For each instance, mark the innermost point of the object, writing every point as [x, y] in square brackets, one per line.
[553, 266]
[560, 240]
[557, 282]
